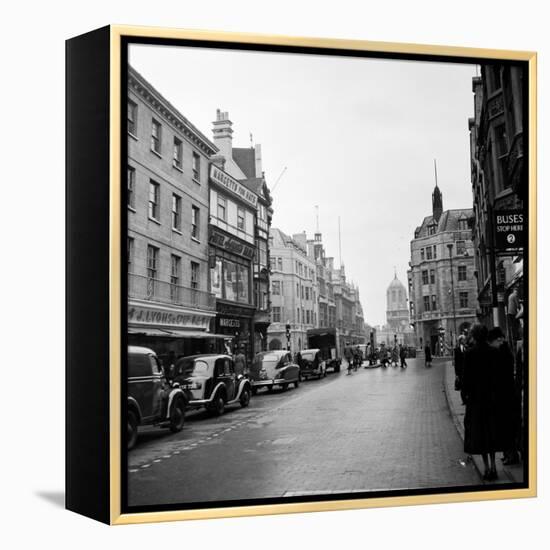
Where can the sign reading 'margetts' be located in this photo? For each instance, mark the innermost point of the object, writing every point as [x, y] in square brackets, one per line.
[221, 178]
[509, 227]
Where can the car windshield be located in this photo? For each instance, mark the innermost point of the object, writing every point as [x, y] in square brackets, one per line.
[191, 367]
[269, 358]
[308, 356]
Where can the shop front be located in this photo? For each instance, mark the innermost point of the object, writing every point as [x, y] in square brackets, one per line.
[172, 331]
[236, 324]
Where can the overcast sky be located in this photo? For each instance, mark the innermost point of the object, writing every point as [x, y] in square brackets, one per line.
[358, 138]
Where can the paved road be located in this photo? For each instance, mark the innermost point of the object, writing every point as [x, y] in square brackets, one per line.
[377, 429]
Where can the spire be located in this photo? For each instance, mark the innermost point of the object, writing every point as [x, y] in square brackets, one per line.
[437, 199]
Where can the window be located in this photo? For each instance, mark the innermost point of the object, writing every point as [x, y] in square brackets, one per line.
[297, 290]
[273, 263]
[297, 314]
[280, 264]
[429, 253]
[434, 302]
[152, 268]
[421, 254]
[156, 137]
[154, 200]
[460, 248]
[302, 292]
[132, 118]
[435, 251]
[222, 208]
[307, 317]
[131, 187]
[195, 272]
[307, 293]
[195, 222]
[276, 288]
[175, 269]
[130, 253]
[177, 153]
[276, 311]
[431, 229]
[176, 212]
[432, 276]
[240, 218]
[425, 280]
[197, 167]
[262, 252]
[463, 296]
[461, 272]
[463, 224]
[426, 303]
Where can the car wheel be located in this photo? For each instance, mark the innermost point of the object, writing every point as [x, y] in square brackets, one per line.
[132, 429]
[218, 406]
[245, 397]
[177, 416]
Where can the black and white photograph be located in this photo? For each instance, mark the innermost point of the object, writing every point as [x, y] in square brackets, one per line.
[326, 281]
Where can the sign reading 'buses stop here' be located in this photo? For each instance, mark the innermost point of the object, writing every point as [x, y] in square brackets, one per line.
[509, 227]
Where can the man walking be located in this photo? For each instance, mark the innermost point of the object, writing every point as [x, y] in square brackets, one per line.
[458, 359]
[402, 356]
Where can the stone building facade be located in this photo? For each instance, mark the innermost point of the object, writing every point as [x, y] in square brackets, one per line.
[499, 183]
[441, 277]
[169, 298]
[397, 329]
[294, 291]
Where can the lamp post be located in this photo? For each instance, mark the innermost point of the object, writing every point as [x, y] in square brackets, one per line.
[450, 247]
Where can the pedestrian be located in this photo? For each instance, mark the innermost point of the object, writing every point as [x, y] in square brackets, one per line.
[484, 423]
[427, 355]
[240, 362]
[349, 358]
[394, 356]
[512, 314]
[402, 356]
[383, 355]
[459, 357]
[170, 367]
[507, 402]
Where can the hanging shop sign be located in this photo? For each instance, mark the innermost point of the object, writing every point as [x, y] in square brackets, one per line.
[509, 228]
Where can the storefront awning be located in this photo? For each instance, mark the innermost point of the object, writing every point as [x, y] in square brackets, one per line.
[177, 333]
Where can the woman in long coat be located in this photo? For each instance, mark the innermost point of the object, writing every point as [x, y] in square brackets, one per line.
[484, 423]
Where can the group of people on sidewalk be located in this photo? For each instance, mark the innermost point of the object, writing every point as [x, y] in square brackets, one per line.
[486, 379]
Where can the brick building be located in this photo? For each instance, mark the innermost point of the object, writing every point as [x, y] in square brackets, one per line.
[441, 278]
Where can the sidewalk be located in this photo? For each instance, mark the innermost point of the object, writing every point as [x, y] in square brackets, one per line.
[506, 474]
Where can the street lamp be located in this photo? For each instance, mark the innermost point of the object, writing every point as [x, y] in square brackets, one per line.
[450, 247]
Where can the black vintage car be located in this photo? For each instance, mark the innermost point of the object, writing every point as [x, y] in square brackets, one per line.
[210, 381]
[312, 364]
[152, 400]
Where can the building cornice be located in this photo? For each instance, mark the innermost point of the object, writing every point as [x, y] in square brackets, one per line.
[161, 105]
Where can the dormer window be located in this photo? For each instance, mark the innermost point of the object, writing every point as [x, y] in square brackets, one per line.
[463, 224]
[432, 228]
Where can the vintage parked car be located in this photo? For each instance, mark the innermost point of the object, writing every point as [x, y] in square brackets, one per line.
[210, 381]
[151, 399]
[312, 364]
[274, 368]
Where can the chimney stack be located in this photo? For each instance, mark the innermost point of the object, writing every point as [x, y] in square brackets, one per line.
[223, 133]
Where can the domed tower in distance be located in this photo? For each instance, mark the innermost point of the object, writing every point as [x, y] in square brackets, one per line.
[397, 312]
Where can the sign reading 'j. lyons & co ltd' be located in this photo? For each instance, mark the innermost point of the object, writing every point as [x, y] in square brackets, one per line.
[509, 228]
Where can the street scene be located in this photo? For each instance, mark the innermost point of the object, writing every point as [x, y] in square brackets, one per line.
[339, 309]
